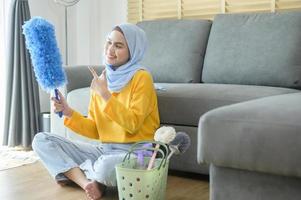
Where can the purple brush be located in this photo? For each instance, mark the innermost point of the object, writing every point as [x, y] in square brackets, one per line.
[180, 144]
[143, 153]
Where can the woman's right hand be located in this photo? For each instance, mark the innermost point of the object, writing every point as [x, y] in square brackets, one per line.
[61, 105]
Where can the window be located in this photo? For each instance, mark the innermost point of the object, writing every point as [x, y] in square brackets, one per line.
[139, 10]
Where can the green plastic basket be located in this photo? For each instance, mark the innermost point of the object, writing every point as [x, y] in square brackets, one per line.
[139, 184]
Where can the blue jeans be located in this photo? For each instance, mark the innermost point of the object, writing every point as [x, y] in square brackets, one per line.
[59, 155]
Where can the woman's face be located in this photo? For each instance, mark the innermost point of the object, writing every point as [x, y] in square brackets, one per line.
[116, 49]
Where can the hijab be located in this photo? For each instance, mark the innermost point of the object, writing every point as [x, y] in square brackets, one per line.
[118, 78]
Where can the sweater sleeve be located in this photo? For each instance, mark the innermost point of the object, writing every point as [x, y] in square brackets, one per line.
[84, 126]
[131, 118]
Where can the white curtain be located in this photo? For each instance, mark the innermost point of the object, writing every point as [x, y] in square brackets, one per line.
[4, 4]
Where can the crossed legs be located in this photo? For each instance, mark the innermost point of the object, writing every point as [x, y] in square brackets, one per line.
[62, 157]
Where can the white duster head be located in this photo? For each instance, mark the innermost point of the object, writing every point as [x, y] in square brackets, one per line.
[165, 134]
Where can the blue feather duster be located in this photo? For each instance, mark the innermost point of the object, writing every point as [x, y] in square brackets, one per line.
[44, 52]
[45, 55]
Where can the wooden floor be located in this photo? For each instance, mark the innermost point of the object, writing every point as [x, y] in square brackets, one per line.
[32, 182]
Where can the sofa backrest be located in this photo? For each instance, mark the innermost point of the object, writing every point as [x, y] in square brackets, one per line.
[81, 76]
[254, 49]
[176, 49]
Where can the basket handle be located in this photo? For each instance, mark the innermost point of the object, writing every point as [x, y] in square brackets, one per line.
[153, 142]
[163, 161]
[135, 147]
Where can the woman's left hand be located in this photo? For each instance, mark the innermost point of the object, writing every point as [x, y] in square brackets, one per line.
[99, 84]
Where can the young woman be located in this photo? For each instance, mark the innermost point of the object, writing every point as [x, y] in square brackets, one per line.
[123, 110]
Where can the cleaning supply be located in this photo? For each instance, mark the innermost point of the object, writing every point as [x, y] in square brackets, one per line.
[179, 144]
[165, 134]
[141, 154]
[138, 184]
[45, 55]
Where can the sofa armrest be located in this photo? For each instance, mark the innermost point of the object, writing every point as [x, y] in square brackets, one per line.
[262, 135]
[78, 77]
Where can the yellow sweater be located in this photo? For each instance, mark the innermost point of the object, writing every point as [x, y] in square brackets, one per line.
[128, 116]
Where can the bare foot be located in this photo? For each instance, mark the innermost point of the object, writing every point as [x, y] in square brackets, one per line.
[94, 190]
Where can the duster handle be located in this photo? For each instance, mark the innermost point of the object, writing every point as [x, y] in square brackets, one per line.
[57, 98]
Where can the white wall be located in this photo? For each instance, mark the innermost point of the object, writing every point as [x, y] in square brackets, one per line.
[90, 25]
[89, 22]
[4, 5]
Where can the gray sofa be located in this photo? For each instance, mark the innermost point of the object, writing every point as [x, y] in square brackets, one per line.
[254, 147]
[233, 85]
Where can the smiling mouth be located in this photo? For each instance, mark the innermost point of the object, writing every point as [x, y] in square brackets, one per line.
[111, 57]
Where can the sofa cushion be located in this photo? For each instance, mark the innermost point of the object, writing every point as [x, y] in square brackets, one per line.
[255, 49]
[260, 135]
[183, 104]
[176, 49]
